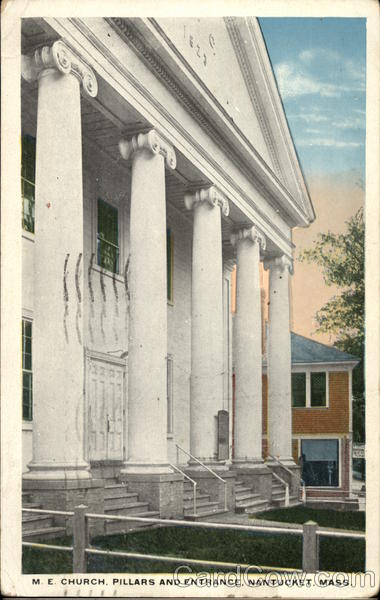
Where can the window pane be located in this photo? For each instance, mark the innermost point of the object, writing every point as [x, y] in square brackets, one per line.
[28, 158]
[27, 377]
[299, 389]
[320, 462]
[27, 392]
[108, 249]
[318, 389]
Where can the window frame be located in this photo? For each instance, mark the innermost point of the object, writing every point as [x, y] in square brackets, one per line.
[27, 371]
[308, 372]
[23, 179]
[115, 206]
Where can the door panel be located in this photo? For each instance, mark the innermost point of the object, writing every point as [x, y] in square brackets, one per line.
[105, 401]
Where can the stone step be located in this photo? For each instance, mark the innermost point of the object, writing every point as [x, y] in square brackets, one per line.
[245, 496]
[30, 505]
[120, 500]
[278, 493]
[127, 509]
[44, 533]
[243, 489]
[204, 515]
[252, 504]
[112, 527]
[279, 502]
[259, 506]
[204, 501]
[33, 522]
[205, 506]
[116, 490]
[187, 497]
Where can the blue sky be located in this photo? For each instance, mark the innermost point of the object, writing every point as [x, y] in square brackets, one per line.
[320, 70]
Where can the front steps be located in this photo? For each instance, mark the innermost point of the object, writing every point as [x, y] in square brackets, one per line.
[247, 501]
[119, 501]
[204, 506]
[278, 496]
[37, 526]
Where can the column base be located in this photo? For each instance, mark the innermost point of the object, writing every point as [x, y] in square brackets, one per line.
[212, 463]
[66, 494]
[247, 463]
[43, 471]
[255, 475]
[163, 491]
[143, 468]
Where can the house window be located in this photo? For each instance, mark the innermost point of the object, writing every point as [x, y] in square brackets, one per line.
[169, 264]
[108, 237]
[28, 179]
[320, 462]
[27, 375]
[318, 389]
[299, 389]
[310, 389]
[170, 394]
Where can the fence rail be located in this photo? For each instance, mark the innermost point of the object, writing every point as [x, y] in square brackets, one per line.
[81, 547]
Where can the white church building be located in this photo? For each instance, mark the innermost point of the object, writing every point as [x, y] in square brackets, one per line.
[156, 156]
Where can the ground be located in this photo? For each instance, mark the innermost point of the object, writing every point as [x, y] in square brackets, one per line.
[227, 546]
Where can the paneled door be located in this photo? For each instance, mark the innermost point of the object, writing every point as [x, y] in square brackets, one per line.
[105, 391]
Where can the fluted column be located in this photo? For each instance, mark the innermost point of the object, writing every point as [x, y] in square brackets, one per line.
[247, 348]
[147, 348]
[58, 363]
[279, 360]
[206, 321]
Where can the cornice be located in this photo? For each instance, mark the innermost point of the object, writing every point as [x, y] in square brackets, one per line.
[135, 40]
[253, 90]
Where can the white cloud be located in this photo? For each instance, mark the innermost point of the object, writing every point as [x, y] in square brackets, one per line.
[328, 143]
[293, 82]
[307, 56]
[354, 123]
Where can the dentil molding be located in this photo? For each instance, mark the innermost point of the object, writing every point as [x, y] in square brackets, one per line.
[211, 195]
[59, 56]
[148, 141]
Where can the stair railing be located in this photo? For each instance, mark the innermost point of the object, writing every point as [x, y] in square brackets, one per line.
[286, 486]
[207, 469]
[303, 484]
[192, 481]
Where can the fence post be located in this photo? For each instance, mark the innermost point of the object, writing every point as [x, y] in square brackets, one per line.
[80, 539]
[310, 547]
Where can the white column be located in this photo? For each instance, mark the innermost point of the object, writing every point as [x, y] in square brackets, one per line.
[247, 348]
[206, 322]
[58, 362]
[147, 347]
[279, 360]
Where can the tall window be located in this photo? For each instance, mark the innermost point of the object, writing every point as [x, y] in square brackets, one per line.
[318, 389]
[170, 263]
[28, 179]
[108, 237]
[27, 375]
[299, 389]
[320, 462]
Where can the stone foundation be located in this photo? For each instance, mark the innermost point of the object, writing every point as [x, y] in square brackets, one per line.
[163, 491]
[66, 495]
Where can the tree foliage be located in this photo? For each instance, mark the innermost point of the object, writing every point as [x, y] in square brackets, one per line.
[341, 258]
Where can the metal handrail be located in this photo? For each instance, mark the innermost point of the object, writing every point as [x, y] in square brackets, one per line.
[285, 483]
[192, 481]
[208, 469]
[303, 484]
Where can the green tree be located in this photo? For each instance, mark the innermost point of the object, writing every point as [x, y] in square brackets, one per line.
[341, 258]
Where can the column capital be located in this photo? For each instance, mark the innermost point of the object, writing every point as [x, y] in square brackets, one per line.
[251, 234]
[211, 195]
[279, 262]
[152, 141]
[60, 57]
